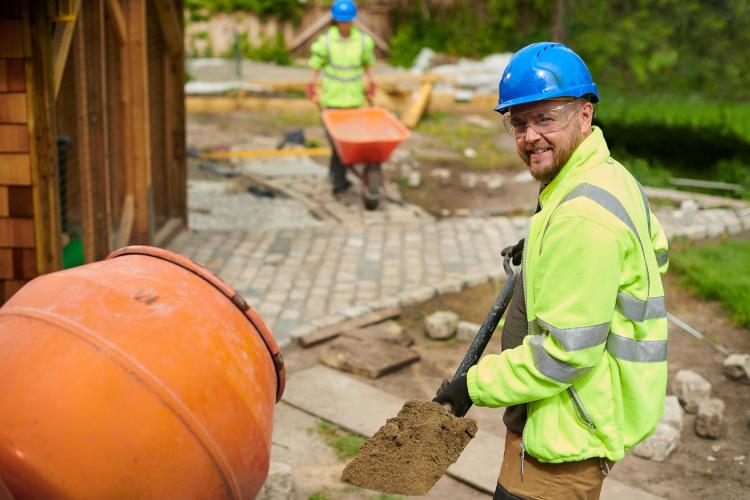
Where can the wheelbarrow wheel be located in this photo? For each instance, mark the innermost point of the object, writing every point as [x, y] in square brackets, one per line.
[373, 185]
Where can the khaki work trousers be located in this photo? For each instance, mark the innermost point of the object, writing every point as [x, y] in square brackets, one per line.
[541, 481]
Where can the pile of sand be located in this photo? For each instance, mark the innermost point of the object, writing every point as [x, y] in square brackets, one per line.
[412, 451]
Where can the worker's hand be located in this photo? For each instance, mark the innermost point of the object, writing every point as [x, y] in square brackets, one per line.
[311, 92]
[514, 251]
[456, 394]
[370, 91]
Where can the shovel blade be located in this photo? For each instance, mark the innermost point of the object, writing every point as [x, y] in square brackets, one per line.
[412, 451]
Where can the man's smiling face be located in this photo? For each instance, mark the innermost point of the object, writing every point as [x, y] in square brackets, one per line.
[546, 153]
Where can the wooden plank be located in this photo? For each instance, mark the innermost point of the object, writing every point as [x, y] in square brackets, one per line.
[265, 153]
[13, 108]
[24, 263]
[413, 114]
[94, 29]
[4, 205]
[139, 152]
[14, 138]
[10, 287]
[703, 200]
[10, 10]
[6, 263]
[333, 331]
[379, 42]
[3, 75]
[86, 195]
[20, 201]
[309, 32]
[18, 233]
[44, 174]
[126, 222]
[118, 19]
[704, 184]
[11, 38]
[171, 27]
[368, 357]
[16, 78]
[63, 38]
[15, 170]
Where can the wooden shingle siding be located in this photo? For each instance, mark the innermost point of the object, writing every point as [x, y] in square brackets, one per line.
[14, 138]
[13, 108]
[15, 170]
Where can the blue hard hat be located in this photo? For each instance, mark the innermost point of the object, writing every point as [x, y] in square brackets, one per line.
[542, 71]
[344, 10]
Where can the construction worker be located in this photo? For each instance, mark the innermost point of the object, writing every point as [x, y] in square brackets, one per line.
[345, 57]
[583, 369]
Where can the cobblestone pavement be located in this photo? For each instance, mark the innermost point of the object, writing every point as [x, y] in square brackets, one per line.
[303, 279]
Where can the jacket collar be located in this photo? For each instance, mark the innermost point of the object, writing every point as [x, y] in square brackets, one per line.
[588, 155]
[335, 34]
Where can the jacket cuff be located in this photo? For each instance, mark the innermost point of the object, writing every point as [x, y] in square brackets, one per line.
[471, 385]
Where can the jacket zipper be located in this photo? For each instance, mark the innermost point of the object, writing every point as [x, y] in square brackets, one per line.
[580, 410]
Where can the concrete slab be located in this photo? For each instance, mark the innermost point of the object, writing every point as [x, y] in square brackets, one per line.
[369, 357]
[284, 166]
[361, 408]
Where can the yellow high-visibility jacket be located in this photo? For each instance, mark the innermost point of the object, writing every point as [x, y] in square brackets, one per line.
[342, 61]
[593, 369]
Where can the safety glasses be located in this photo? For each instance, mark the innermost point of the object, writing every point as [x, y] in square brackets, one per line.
[543, 121]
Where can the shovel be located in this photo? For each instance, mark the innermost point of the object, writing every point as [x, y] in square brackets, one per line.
[412, 451]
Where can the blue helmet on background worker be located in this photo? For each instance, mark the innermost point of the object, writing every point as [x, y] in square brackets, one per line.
[544, 70]
[344, 10]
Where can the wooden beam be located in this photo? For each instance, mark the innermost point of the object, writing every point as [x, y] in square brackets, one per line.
[86, 197]
[62, 39]
[40, 91]
[98, 123]
[171, 27]
[137, 109]
[126, 222]
[309, 32]
[118, 18]
[414, 112]
[379, 42]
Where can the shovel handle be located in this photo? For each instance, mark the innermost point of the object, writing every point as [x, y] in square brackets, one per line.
[483, 336]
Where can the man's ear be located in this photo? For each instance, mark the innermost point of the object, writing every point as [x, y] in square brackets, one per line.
[587, 116]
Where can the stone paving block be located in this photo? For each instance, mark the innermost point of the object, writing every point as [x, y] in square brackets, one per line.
[449, 286]
[737, 367]
[416, 296]
[441, 325]
[387, 331]
[709, 419]
[673, 413]
[466, 331]
[691, 389]
[660, 445]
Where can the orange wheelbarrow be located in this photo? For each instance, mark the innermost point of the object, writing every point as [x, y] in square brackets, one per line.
[365, 136]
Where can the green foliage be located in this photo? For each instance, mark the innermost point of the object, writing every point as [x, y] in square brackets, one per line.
[345, 444]
[323, 494]
[665, 46]
[200, 10]
[269, 50]
[719, 271]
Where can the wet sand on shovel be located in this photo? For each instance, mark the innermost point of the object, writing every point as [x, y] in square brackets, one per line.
[412, 451]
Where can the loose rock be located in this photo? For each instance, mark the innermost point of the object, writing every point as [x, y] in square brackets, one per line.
[469, 181]
[493, 182]
[690, 388]
[660, 445]
[279, 485]
[737, 367]
[441, 325]
[673, 413]
[466, 331]
[709, 419]
[415, 179]
[442, 175]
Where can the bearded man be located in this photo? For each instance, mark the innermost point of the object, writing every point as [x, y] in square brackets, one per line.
[583, 370]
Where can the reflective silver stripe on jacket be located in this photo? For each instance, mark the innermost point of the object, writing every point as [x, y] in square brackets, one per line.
[640, 310]
[551, 367]
[575, 339]
[642, 351]
[633, 310]
[342, 79]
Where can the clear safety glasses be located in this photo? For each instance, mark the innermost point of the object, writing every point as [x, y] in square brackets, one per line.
[543, 121]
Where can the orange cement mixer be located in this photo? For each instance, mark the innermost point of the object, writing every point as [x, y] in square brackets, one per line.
[141, 376]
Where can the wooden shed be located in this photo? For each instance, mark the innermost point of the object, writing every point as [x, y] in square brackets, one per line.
[92, 131]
